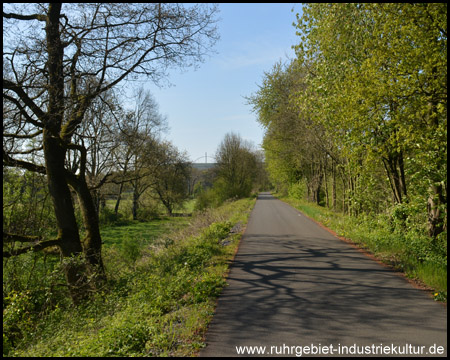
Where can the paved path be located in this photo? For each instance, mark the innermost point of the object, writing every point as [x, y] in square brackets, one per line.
[294, 284]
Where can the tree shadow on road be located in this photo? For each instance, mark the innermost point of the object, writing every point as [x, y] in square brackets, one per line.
[316, 291]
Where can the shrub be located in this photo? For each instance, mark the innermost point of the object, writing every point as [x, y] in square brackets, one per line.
[109, 217]
[297, 190]
[208, 199]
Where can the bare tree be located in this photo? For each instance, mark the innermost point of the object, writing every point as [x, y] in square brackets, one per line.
[56, 61]
[137, 135]
[98, 135]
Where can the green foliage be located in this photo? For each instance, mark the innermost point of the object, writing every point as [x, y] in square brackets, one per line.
[297, 190]
[18, 318]
[170, 176]
[27, 208]
[236, 168]
[363, 104]
[207, 199]
[130, 249]
[239, 171]
[108, 217]
[373, 100]
[32, 289]
[158, 301]
[149, 211]
[220, 192]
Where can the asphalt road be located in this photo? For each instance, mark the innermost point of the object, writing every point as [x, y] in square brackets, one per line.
[296, 289]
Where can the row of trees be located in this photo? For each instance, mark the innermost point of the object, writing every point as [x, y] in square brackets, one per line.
[60, 65]
[124, 152]
[133, 157]
[360, 115]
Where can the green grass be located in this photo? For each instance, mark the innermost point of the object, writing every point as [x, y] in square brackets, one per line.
[142, 232]
[407, 251]
[159, 299]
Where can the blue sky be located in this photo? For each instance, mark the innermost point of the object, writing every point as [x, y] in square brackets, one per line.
[204, 104]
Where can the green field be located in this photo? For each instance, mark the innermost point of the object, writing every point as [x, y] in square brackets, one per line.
[163, 280]
[143, 233]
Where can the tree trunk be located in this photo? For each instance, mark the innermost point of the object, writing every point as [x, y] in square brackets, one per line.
[436, 220]
[96, 198]
[68, 235]
[54, 154]
[350, 195]
[318, 188]
[92, 243]
[396, 173]
[327, 197]
[344, 208]
[119, 197]
[333, 170]
[135, 202]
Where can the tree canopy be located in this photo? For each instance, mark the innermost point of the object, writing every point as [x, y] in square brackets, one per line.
[364, 101]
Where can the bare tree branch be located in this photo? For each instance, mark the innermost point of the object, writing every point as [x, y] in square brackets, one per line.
[35, 247]
[9, 161]
[27, 136]
[10, 238]
[23, 111]
[39, 17]
[9, 85]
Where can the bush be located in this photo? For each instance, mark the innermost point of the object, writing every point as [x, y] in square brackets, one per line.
[18, 315]
[297, 190]
[149, 208]
[130, 249]
[109, 217]
[217, 231]
[207, 199]
[219, 193]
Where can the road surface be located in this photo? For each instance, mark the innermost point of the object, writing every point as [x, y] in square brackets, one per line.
[295, 289]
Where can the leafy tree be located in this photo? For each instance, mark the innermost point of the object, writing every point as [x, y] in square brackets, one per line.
[56, 61]
[295, 146]
[171, 176]
[360, 114]
[236, 167]
[378, 76]
[271, 103]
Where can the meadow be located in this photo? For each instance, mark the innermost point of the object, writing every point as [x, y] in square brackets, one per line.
[164, 277]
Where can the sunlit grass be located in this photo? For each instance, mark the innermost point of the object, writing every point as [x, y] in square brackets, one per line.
[141, 232]
[160, 296]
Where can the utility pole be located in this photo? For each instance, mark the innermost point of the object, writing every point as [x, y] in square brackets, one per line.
[206, 157]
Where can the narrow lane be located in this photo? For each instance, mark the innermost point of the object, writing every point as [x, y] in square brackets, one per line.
[294, 284]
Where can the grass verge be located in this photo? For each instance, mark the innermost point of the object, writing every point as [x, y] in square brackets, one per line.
[411, 253]
[158, 304]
